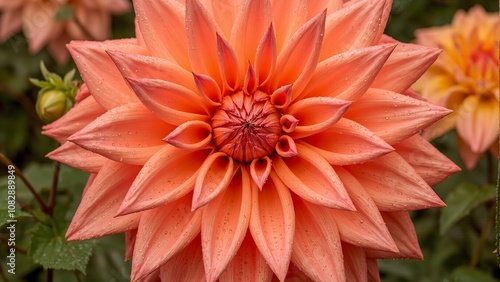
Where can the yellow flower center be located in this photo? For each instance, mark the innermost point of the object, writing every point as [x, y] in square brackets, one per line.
[246, 126]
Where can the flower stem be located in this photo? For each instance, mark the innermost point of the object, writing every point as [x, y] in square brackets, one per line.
[482, 237]
[53, 189]
[6, 161]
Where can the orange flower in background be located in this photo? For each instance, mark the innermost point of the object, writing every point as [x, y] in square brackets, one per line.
[38, 21]
[465, 79]
[253, 139]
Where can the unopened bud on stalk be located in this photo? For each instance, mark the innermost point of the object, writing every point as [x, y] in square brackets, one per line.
[56, 96]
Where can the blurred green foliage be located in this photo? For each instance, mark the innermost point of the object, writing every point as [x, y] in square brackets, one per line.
[448, 255]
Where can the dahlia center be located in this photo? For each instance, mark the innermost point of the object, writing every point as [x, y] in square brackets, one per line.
[246, 126]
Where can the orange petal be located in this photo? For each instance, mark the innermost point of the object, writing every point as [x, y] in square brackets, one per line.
[272, 224]
[162, 233]
[392, 116]
[394, 185]
[129, 133]
[469, 157]
[201, 32]
[373, 273]
[167, 176]
[286, 147]
[299, 57]
[428, 162]
[95, 216]
[348, 75]
[169, 101]
[365, 226]
[312, 178]
[224, 225]
[403, 232]
[168, 26]
[316, 114]
[405, 65]
[265, 56]
[247, 265]
[213, 178]
[228, 65]
[288, 123]
[190, 135]
[224, 12]
[347, 142]
[140, 66]
[282, 97]
[130, 236]
[186, 265]
[250, 83]
[77, 157]
[355, 263]
[284, 24]
[250, 25]
[208, 90]
[358, 25]
[478, 123]
[105, 83]
[259, 170]
[316, 246]
[78, 117]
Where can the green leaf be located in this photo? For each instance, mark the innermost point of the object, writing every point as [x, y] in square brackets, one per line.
[65, 12]
[51, 249]
[460, 201]
[469, 274]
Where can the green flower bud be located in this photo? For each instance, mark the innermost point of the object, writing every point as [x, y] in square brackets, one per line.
[52, 105]
[57, 95]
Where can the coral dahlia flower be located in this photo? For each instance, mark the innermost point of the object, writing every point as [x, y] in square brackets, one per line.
[465, 79]
[37, 19]
[246, 140]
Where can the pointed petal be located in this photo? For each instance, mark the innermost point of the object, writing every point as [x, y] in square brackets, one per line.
[162, 233]
[394, 185]
[403, 232]
[190, 135]
[140, 66]
[259, 170]
[95, 216]
[250, 83]
[365, 226]
[201, 32]
[224, 225]
[469, 157]
[288, 123]
[77, 157]
[208, 90]
[299, 57]
[213, 178]
[98, 71]
[78, 117]
[167, 176]
[356, 26]
[169, 101]
[316, 246]
[286, 147]
[247, 265]
[316, 114]
[355, 263]
[266, 56]
[346, 143]
[478, 122]
[186, 265]
[129, 133]
[392, 116]
[428, 162]
[272, 224]
[167, 27]
[405, 65]
[313, 179]
[250, 25]
[282, 97]
[348, 75]
[288, 16]
[228, 65]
